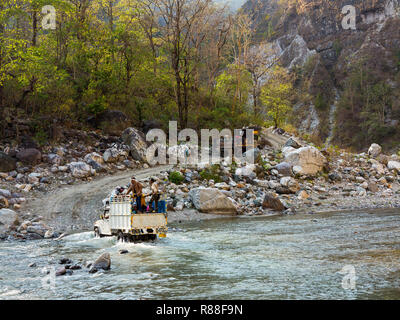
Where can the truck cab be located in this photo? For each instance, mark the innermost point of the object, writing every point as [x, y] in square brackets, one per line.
[119, 220]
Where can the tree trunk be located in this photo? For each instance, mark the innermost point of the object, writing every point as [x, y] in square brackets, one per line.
[34, 28]
[178, 98]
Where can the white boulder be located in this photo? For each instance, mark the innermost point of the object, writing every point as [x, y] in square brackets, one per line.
[374, 150]
[305, 160]
[212, 200]
[80, 169]
[394, 165]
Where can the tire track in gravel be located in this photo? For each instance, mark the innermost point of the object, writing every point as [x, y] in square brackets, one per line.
[78, 206]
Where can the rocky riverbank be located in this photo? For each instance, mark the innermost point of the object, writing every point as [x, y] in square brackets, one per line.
[29, 171]
[295, 177]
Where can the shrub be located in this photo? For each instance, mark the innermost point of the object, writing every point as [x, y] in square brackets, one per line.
[176, 177]
[211, 173]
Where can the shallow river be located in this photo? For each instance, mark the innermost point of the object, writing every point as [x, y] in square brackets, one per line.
[290, 257]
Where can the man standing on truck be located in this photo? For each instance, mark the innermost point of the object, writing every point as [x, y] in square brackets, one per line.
[136, 189]
[155, 193]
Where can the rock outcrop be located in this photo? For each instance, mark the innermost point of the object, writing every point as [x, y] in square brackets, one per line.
[305, 160]
[136, 142]
[212, 200]
[310, 39]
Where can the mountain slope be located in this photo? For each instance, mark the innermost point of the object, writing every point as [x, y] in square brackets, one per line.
[352, 76]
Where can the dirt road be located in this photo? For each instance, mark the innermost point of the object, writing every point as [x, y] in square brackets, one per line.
[78, 206]
[276, 140]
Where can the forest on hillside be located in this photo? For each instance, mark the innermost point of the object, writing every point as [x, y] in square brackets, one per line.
[70, 62]
[160, 60]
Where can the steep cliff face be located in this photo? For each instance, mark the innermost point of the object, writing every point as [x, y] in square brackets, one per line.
[347, 73]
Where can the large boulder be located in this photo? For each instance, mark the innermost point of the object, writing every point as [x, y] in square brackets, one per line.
[306, 160]
[94, 156]
[251, 155]
[284, 168]
[39, 229]
[394, 165]
[290, 184]
[80, 169]
[292, 142]
[212, 200]
[102, 262]
[114, 155]
[247, 171]
[30, 156]
[272, 202]
[374, 150]
[7, 163]
[7, 218]
[136, 142]
[96, 161]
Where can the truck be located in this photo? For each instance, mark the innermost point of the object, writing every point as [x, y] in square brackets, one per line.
[121, 221]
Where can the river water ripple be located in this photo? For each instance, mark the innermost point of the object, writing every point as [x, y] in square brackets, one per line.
[288, 257]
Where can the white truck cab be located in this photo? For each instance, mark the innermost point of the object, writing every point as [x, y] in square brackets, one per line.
[119, 220]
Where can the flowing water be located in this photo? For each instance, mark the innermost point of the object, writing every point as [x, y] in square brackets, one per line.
[287, 257]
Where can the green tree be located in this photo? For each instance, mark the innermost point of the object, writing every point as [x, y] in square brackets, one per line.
[275, 95]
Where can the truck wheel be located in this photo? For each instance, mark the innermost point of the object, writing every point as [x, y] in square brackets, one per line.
[97, 233]
[121, 236]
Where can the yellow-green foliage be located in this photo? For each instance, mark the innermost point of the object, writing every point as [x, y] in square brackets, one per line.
[276, 95]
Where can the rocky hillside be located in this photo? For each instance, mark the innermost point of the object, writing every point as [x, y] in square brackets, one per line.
[348, 80]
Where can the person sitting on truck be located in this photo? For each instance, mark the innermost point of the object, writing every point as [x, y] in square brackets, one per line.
[136, 189]
[155, 194]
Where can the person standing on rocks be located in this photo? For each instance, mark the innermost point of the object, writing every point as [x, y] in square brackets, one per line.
[136, 189]
[155, 193]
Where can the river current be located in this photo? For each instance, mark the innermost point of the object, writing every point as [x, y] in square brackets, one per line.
[326, 256]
